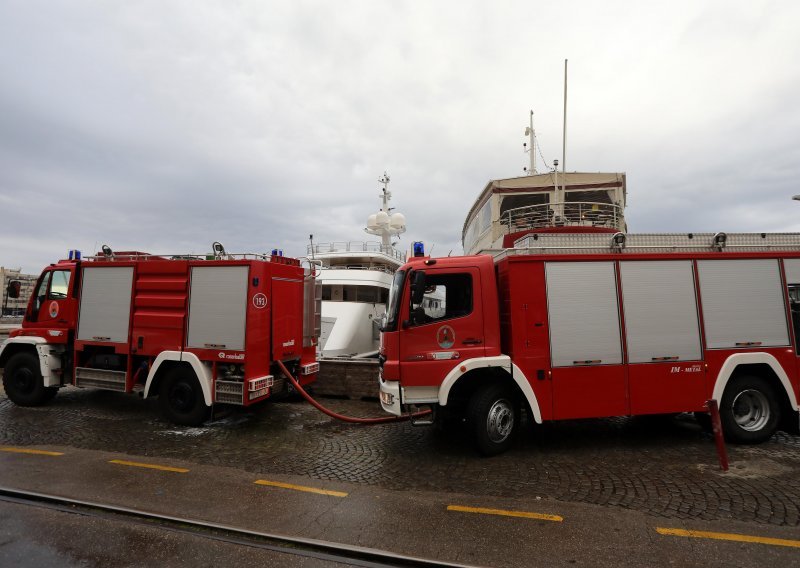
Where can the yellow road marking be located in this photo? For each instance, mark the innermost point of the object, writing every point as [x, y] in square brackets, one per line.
[27, 451]
[730, 536]
[301, 488]
[150, 466]
[523, 514]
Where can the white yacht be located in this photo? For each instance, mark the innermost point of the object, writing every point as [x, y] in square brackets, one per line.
[356, 277]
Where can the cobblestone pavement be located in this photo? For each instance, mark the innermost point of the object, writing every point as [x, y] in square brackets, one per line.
[666, 468]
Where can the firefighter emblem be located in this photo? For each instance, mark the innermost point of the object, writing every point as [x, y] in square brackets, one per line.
[53, 309]
[445, 337]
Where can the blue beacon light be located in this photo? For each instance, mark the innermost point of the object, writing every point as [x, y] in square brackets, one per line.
[419, 248]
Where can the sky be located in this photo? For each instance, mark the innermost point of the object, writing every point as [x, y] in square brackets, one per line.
[166, 126]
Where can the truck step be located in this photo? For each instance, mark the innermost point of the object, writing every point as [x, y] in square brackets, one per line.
[100, 378]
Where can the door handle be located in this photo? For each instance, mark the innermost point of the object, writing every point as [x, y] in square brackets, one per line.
[472, 341]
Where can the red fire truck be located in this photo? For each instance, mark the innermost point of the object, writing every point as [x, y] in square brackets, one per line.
[194, 330]
[572, 326]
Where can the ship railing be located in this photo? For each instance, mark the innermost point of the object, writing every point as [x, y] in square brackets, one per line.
[354, 246]
[372, 267]
[566, 214]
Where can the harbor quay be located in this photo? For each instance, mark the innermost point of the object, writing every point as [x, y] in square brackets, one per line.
[588, 492]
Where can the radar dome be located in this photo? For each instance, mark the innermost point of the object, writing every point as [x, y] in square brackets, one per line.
[397, 221]
[381, 218]
[372, 223]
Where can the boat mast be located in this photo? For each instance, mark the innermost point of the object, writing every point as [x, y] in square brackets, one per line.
[531, 133]
[387, 195]
[385, 224]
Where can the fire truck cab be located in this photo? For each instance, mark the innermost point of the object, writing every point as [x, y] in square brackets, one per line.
[193, 330]
[572, 326]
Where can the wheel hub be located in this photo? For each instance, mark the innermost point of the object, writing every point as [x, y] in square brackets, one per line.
[24, 380]
[751, 410]
[500, 421]
[181, 397]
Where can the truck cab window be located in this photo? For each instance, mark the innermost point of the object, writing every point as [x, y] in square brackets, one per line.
[59, 286]
[447, 296]
[40, 295]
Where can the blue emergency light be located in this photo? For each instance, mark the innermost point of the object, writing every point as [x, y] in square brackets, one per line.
[277, 252]
[419, 248]
[74, 254]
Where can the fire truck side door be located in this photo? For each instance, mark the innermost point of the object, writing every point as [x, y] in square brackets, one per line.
[443, 329]
[287, 318]
[662, 332]
[585, 345]
[53, 304]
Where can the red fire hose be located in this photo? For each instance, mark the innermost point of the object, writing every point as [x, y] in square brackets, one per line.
[343, 418]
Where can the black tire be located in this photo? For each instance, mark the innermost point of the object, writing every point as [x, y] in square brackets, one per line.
[181, 398]
[791, 422]
[493, 416]
[22, 379]
[750, 411]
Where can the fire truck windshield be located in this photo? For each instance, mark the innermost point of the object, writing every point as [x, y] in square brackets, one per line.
[393, 304]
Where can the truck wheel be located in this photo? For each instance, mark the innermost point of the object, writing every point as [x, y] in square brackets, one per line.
[749, 410]
[181, 398]
[23, 381]
[493, 415]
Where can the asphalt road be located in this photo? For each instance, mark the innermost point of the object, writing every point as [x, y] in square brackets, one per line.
[619, 492]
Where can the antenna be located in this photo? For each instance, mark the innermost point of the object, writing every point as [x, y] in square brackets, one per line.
[564, 143]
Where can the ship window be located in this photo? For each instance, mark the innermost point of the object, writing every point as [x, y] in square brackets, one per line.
[516, 201]
[367, 294]
[354, 293]
[479, 224]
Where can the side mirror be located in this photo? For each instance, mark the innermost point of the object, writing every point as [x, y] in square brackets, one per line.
[418, 288]
[13, 288]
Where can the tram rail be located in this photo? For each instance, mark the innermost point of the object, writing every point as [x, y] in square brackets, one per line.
[296, 546]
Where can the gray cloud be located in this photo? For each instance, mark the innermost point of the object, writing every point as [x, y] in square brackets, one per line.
[164, 127]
